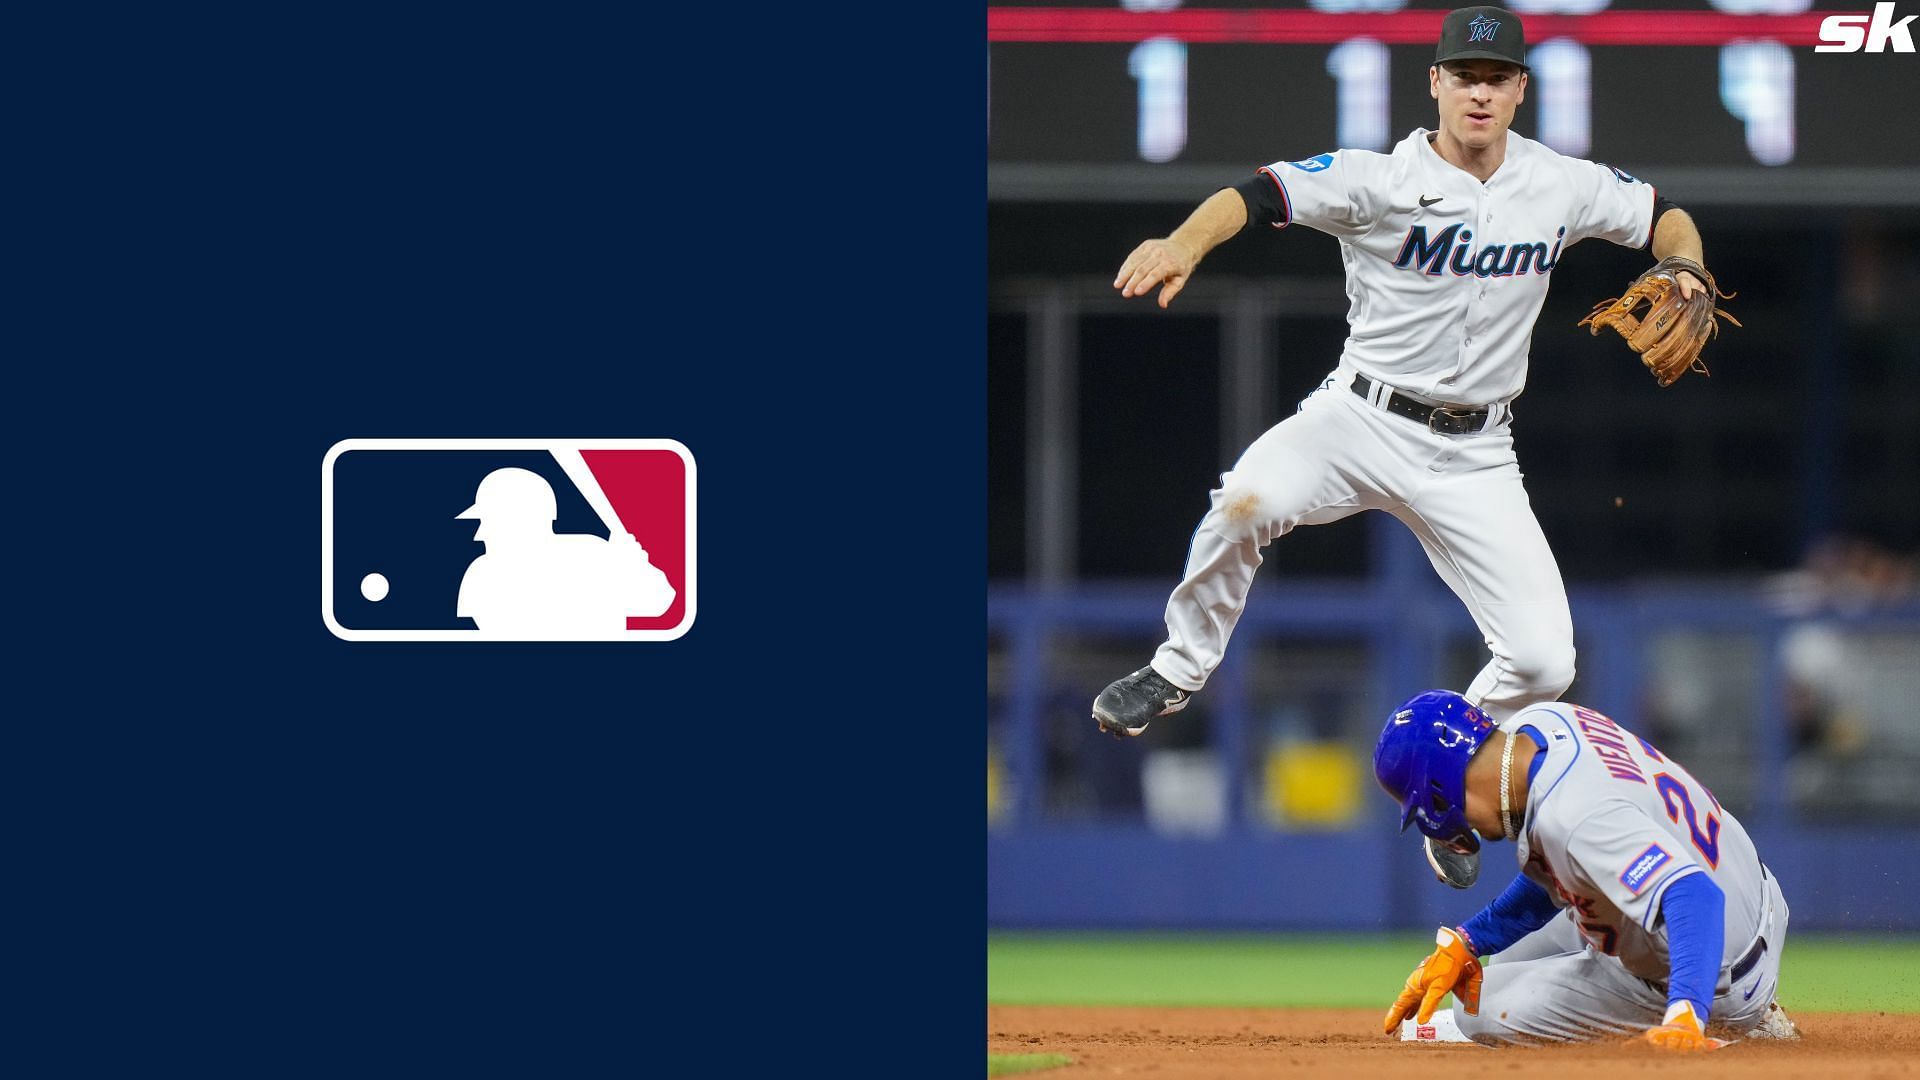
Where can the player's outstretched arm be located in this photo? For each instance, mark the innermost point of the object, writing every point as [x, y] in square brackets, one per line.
[1676, 234]
[1455, 965]
[1694, 910]
[1169, 261]
[1451, 968]
[1518, 911]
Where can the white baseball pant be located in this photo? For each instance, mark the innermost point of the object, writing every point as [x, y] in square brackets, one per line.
[1462, 495]
[1551, 986]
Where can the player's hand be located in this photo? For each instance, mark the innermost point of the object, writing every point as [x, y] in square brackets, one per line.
[1683, 1031]
[1451, 969]
[1166, 262]
[1688, 284]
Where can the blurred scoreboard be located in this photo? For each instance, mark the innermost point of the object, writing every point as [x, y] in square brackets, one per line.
[1727, 95]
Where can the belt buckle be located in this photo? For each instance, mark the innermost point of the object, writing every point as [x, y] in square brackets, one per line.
[1456, 421]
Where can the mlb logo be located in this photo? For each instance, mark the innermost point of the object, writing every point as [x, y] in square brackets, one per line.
[507, 540]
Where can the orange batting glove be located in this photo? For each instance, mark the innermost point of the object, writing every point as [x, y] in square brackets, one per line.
[1451, 969]
[1682, 1030]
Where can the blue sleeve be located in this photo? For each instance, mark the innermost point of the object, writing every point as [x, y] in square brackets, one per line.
[1515, 913]
[1695, 912]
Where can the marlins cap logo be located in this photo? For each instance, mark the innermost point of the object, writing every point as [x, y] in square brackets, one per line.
[1482, 29]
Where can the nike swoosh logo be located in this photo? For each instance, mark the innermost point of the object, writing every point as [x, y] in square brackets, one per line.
[1424, 201]
[1748, 996]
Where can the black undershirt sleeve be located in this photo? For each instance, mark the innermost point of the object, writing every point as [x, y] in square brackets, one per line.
[1660, 206]
[1265, 204]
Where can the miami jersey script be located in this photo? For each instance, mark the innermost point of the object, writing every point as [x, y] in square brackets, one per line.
[1446, 275]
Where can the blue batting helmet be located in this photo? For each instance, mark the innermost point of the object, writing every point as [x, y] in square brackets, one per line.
[1421, 761]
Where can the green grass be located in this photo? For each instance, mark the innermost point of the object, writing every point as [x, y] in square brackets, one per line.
[1183, 969]
[1850, 973]
[1819, 972]
[1008, 1064]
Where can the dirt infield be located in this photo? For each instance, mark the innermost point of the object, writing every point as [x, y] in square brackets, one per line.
[1181, 1043]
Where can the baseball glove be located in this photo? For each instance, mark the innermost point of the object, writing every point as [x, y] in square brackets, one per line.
[1673, 329]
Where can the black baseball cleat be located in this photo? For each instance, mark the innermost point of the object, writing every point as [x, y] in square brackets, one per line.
[1125, 706]
[1451, 867]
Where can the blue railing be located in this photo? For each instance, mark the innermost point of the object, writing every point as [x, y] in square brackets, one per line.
[1405, 619]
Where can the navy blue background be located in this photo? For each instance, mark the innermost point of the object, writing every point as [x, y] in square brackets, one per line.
[242, 847]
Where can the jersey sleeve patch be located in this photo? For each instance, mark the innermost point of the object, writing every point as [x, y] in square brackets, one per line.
[1319, 163]
[1642, 870]
[1622, 175]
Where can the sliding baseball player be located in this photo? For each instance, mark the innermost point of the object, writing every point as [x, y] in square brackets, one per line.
[1641, 907]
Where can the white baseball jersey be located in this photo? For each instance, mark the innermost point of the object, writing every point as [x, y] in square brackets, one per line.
[1611, 824]
[1446, 275]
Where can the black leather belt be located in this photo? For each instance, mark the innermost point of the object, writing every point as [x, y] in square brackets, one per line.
[1439, 419]
[1735, 974]
[1752, 957]
[1757, 949]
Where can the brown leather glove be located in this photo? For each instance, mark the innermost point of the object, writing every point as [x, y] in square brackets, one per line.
[1673, 329]
[1451, 968]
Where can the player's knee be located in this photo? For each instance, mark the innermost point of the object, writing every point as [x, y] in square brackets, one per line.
[1492, 1027]
[1544, 670]
[1476, 1026]
[1241, 511]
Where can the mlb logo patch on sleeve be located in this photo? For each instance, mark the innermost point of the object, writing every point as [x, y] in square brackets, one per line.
[1641, 870]
[507, 539]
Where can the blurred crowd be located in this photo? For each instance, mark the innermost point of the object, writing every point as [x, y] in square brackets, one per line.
[1826, 667]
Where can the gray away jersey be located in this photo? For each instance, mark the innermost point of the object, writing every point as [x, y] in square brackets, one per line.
[1446, 275]
[1612, 823]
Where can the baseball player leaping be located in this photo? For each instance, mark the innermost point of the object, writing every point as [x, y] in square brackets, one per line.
[1640, 907]
[1448, 242]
